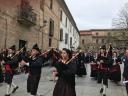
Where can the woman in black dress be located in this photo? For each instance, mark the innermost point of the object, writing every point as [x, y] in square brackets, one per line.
[115, 71]
[65, 85]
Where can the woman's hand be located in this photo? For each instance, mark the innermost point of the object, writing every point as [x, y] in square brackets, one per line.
[22, 63]
[54, 71]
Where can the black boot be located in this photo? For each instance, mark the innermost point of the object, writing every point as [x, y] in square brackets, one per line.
[14, 90]
[104, 94]
[101, 90]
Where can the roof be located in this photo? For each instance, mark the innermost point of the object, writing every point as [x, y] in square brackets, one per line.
[85, 33]
[102, 30]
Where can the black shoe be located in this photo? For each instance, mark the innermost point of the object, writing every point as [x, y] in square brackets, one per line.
[14, 90]
[101, 90]
[104, 94]
[7, 94]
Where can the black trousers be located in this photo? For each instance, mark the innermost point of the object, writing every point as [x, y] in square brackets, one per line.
[1, 77]
[32, 84]
[127, 88]
[103, 76]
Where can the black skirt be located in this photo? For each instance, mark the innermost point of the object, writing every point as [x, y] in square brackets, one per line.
[8, 77]
[63, 88]
[81, 70]
[115, 75]
[1, 77]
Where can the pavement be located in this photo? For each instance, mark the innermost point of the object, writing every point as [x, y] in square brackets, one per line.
[85, 86]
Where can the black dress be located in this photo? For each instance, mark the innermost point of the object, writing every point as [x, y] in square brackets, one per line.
[115, 71]
[35, 66]
[81, 69]
[1, 74]
[65, 85]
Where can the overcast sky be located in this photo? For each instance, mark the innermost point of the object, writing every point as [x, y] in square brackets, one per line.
[95, 14]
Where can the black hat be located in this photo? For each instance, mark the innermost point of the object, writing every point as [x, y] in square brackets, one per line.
[13, 47]
[103, 47]
[36, 47]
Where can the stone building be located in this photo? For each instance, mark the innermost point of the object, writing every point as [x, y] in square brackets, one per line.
[93, 39]
[19, 23]
[29, 22]
[51, 10]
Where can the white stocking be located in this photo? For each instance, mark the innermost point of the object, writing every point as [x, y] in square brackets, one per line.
[104, 87]
[8, 89]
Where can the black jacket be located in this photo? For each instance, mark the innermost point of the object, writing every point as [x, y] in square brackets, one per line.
[67, 72]
[125, 73]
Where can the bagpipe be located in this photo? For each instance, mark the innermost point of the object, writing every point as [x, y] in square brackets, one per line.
[94, 66]
[102, 61]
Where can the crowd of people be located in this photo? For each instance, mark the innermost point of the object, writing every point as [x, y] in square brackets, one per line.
[67, 64]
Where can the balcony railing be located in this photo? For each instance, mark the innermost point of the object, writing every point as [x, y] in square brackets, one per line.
[27, 16]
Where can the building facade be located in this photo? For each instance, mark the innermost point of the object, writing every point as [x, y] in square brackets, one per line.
[69, 34]
[93, 39]
[27, 22]
[19, 23]
[51, 13]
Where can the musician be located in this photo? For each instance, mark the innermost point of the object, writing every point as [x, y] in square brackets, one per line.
[1, 72]
[125, 72]
[81, 69]
[34, 63]
[94, 67]
[103, 71]
[65, 85]
[10, 65]
[115, 71]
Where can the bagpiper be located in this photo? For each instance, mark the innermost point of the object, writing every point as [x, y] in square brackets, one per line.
[34, 63]
[103, 70]
[10, 64]
[81, 69]
[94, 67]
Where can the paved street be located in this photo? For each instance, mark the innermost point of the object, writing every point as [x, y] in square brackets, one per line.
[85, 86]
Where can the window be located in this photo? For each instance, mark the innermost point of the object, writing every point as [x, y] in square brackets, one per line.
[102, 40]
[22, 43]
[97, 33]
[61, 15]
[97, 41]
[73, 31]
[66, 22]
[70, 41]
[51, 4]
[50, 42]
[70, 28]
[83, 41]
[61, 34]
[66, 38]
[51, 28]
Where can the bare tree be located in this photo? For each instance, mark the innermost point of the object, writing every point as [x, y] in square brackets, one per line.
[121, 21]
